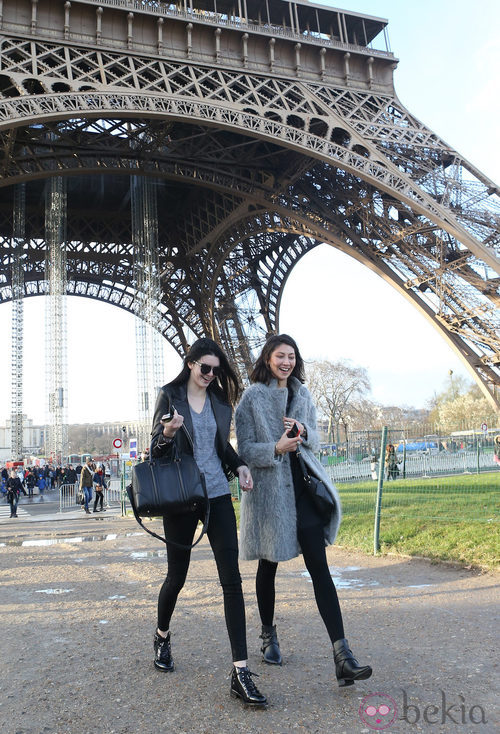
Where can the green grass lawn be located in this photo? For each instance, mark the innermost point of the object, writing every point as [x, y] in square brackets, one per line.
[446, 518]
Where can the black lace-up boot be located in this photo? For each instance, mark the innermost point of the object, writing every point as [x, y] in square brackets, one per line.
[242, 686]
[163, 653]
[347, 667]
[270, 646]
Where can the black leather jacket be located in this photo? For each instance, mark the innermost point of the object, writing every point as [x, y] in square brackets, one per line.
[175, 396]
[14, 488]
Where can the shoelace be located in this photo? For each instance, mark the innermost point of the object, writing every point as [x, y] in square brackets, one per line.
[245, 676]
[163, 644]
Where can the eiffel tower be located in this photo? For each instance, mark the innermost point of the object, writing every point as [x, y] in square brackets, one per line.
[256, 130]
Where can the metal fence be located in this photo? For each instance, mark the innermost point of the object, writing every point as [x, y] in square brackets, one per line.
[360, 444]
[464, 452]
[416, 465]
[68, 495]
[113, 494]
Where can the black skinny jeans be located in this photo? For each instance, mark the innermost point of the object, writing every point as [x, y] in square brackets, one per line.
[311, 541]
[224, 541]
[99, 497]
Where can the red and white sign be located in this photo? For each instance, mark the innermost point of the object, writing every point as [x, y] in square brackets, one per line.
[117, 443]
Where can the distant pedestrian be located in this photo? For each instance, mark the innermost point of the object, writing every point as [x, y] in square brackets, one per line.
[14, 487]
[391, 462]
[20, 474]
[30, 482]
[58, 476]
[99, 487]
[86, 481]
[70, 476]
[42, 485]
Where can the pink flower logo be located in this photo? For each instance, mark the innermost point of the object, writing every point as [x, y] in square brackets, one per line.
[378, 711]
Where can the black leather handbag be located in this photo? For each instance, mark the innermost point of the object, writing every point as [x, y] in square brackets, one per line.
[165, 487]
[318, 491]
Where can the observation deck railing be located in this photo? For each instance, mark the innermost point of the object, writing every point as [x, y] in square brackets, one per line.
[217, 20]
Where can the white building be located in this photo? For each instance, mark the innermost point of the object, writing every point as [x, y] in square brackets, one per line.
[33, 439]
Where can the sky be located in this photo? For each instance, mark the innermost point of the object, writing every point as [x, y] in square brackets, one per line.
[332, 305]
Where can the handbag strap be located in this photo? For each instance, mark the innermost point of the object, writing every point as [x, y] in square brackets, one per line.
[207, 513]
[160, 537]
[302, 464]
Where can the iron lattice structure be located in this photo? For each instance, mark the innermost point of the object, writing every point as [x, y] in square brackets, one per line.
[146, 281]
[55, 318]
[18, 228]
[269, 127]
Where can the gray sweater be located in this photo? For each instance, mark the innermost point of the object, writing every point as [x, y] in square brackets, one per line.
[268, 522]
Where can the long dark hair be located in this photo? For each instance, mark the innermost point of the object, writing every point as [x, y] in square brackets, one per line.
[262, 373]
[226, 383]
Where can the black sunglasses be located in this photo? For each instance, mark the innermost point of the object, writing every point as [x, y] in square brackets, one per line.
[206, 369]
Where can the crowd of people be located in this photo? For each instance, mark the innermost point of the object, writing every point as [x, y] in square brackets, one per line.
[46, 477]
[21, 480]
[90, 478]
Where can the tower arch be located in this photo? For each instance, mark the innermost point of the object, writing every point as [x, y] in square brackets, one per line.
[263, 140]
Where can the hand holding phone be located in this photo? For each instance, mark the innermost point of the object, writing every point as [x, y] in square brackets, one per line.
[171, 422]
[294, 431]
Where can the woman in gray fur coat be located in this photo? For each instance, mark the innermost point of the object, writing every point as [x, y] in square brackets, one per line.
[278, 519]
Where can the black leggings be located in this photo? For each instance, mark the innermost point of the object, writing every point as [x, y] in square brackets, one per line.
[99, 496]
[224, 541]
[311, 541]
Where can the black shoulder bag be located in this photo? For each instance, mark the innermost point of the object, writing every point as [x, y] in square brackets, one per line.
[320, 494]
[165, 487]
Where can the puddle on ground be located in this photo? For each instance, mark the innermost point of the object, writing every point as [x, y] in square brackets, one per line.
[343, 582]
[148, 554]
[117, 596]
[37, 542]
[51, 541]
[53, 591]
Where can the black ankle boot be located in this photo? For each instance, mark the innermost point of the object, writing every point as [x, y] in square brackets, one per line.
[270, 646]
[347, 667]
[163, 653]
[242, 686]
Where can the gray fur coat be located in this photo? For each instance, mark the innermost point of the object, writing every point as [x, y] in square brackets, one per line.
[268, 523]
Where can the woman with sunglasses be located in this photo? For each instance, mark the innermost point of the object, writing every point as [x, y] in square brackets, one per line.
[279, 520]
[201, 397]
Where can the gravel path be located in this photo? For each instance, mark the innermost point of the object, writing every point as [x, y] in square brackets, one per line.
[78, 620]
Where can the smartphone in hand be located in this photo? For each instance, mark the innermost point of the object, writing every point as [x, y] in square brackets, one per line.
[294, 431]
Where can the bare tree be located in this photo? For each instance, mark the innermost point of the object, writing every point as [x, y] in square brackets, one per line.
[338, 389]
[461, 408]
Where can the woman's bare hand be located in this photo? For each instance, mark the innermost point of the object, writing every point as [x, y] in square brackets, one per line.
[171, 427]
[245, 477]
